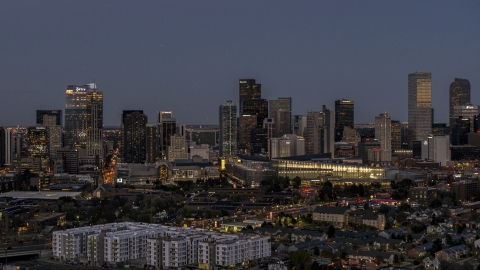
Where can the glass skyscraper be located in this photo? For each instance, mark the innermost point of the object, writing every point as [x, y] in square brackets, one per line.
[228, 129]
[344, 117]
[459, 96]
[420, 112]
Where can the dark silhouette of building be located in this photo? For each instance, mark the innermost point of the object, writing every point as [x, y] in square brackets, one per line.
[167, 127]
[134, 124]
[460, 131]
[344, 117]
[459, 96]
[281, 113]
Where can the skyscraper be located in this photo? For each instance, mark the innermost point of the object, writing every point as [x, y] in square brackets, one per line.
[251, 126]
[38, 144]
[396, 134]
[166, 128]
[248, 90]
[95, 123]
[134, 124]
[228, 129]
[76, 115]
[151, 142]
[319, 133]
[459, 96]
[383, 134]
[281, 113]
[84, 118]
[420, 112]
[344, 117]
[54, 134]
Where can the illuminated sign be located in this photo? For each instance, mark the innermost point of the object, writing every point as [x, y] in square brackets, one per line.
[243, 81]
[119, 180]
[80, 89]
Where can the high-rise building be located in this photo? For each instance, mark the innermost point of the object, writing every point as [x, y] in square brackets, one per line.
[3, 146]
[299, 123]
[319, 133]
[134, 124]
[383, 134]
[38, 144]
[344, 117]
[57, 114]
[54, 134]
[420, 112]
[396, 134]
[460, 131]
[166, 128]
[248, 90]
[177, 149]
[84, 118]
[459, 96]
[436, 148]
[228, 129]
[76, 115]
[95, 123]
[281, 113]
[151, 142]
[464, 111]
[251, 126]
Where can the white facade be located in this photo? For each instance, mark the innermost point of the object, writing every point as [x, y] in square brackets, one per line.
[279, 147]
[177, 148]
[437, 148]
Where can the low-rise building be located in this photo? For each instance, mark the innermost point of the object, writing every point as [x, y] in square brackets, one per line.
[333, 215]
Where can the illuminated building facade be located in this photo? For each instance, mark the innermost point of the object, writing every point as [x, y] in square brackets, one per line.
[54, 134]
[464, 111]
[228, 129]
[344, 117]
[57, 114]
[95, 123]
[383, 133]
[314, 170]
[248, 90]
[420, 112]
[459, 96]
[151, 142]
[76, 115]
[177, 149]
[396, 135]
[167, 126]
[252, 135]
[38, 142]
[134, 136]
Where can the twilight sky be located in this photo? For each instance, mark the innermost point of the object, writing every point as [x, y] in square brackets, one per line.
[187, 56]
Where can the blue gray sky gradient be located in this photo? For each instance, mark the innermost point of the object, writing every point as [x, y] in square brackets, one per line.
[187, 56]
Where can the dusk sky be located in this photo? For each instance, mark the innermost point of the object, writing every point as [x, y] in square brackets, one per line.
[187, 56]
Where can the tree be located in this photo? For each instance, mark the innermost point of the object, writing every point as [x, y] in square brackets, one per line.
[300, 260]
[409, 238]
[361, 190]
[378, 259]
[316, 251]
[396, 259]
[316, 266]
[297, 181]
[354, 190]
[331, 231]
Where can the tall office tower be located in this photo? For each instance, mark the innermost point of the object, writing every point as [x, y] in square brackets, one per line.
[251, 126]
[269, 126]
[54, 133]
[459, 96]
[151, 143]
[299, 123]
[420, 112]
[460, 131]
[344, 117]
[464, 111]
[38, 142]
[383, 133]
[95, 123]
[437, 148]
[248, 90]
[134, 125]
[57, 114]
[281, 113]
[166, 128]
[76, 116]
[177, 149]
[396, 133]
[228, 129]
[319, 133]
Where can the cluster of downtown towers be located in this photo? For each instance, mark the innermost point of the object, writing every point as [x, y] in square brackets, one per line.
[259, 121]
[246, 129]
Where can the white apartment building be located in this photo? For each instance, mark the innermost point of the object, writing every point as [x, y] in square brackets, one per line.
[111, 243]
[333, 215]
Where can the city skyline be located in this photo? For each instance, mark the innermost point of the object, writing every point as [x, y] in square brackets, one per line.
[175, 59]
